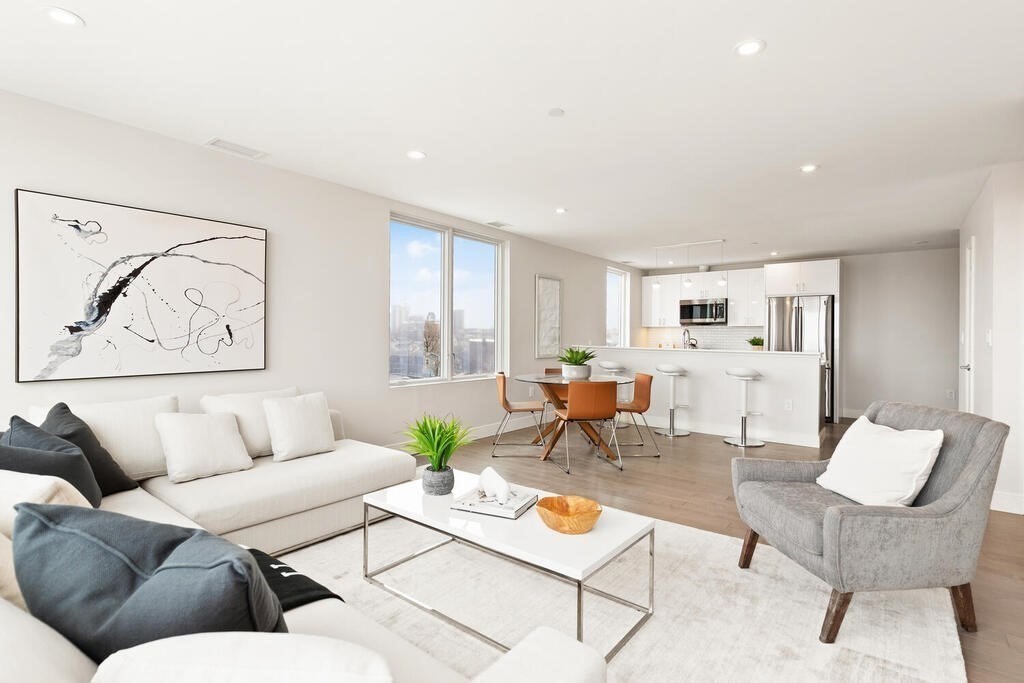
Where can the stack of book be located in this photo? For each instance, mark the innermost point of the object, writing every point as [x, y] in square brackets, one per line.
[519, 501]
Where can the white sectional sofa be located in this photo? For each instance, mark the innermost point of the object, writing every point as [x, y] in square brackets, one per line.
[277, 506]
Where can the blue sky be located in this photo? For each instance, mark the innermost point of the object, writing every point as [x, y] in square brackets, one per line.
[415, 274]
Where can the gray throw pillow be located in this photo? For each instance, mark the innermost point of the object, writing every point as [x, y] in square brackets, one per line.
[107, 581]
[27, 448]
[61, 422]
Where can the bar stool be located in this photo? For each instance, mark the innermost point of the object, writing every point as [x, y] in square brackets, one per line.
[672, 371]
[615, 369]
[745, 377]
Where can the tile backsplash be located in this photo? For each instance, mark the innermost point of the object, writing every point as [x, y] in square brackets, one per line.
[707, 336]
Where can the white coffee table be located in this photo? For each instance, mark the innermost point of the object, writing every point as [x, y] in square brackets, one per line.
[525, 541]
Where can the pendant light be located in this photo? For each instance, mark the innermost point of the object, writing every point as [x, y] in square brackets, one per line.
[687, 282]
[722, 277]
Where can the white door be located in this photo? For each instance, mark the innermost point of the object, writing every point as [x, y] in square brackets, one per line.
[739, 297]
[966, 383]
[755, 312]
[648, 301]
[782, 279]
[668, 301]
[819, 277]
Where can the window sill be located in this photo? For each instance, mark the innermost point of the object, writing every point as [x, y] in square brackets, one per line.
[435, 382]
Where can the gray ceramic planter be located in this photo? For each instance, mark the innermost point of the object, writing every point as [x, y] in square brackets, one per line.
[438, 483]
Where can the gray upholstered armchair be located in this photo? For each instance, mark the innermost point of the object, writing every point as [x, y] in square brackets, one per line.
[852, 547]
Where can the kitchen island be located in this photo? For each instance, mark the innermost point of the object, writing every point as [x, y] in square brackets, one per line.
[787, 398]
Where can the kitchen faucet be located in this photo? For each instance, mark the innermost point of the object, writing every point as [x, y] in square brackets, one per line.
[688, 342]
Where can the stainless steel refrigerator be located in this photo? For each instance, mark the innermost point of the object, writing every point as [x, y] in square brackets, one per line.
[806, 323]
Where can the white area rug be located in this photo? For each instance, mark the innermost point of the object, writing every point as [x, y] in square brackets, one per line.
[712, 621]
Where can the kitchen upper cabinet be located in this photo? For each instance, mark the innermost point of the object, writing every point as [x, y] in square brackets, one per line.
[703, 285]
[660, 305]
[802, 277]
[746, 298]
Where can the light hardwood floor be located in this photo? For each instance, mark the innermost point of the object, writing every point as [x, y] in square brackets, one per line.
[691, 484]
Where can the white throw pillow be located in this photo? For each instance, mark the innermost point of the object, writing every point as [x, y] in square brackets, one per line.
[126, 429]
[299, 426]
[198, 445]
[18, 487]
[252, 421]
[878, 465]
[245, 658]
[9, 588]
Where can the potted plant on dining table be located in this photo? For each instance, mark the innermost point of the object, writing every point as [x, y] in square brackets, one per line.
[574, 362]
[437, 440]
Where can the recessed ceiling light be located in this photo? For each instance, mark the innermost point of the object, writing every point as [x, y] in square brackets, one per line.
[808, 168]
[560, 210]
[65, 17]
[556, 112]
[416, 155]
[671, 262]
[749, 48]
[775, 253]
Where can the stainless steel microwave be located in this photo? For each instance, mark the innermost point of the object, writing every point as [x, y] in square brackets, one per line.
[703, 311]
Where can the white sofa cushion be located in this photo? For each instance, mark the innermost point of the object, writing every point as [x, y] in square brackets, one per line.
[127, 430]
[248, 409]
[19, 487]
[271, 490]
[878, 465]
[299, 426]
[337, 619]
[144, 505]
[32, 652]
[9, 589]
[197, 445]
[244, 658]
[547, 655]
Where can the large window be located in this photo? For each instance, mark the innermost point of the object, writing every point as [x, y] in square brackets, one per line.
[617, 308]
[444, 304]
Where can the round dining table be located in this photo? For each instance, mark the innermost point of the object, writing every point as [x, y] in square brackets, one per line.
[556, 428]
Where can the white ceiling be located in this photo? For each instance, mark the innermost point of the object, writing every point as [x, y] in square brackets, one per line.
[668, 135]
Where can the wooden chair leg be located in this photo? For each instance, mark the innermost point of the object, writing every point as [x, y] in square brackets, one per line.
[749, 545]
[963, 607]
[837, 605]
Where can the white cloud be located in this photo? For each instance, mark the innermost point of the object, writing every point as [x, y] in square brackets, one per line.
[427, 275]
[419, 249]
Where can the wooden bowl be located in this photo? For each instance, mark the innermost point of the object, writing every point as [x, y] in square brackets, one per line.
[569, 514]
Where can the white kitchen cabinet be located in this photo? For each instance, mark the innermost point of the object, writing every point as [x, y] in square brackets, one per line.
[704, 285]
[820, 277]
[746, 298]
[660, 301]
[802, 277]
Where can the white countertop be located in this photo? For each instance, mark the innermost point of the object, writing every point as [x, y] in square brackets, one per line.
[681, 350]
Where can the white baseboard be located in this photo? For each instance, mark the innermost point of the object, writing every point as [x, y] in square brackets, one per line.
[521, 422]
[486, 430]
[1005, 501]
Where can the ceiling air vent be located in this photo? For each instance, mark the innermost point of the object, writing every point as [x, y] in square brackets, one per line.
[497, 224]
[235, 148]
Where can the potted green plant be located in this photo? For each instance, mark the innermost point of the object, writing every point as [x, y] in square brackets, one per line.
[574, 362]
[756, 343]
[437, 439]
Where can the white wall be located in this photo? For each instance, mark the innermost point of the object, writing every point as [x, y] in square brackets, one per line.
[327, 277]
[898, 317]
[996, 222]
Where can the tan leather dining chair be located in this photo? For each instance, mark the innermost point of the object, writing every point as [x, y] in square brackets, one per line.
[560, 390]
[532, 407]
[640, 404]
[590, 402]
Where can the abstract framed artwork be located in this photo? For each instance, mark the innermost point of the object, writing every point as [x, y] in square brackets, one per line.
[105, 290]
[549, 317]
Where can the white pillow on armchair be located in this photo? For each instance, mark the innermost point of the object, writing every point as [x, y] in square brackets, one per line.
[878, 465]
